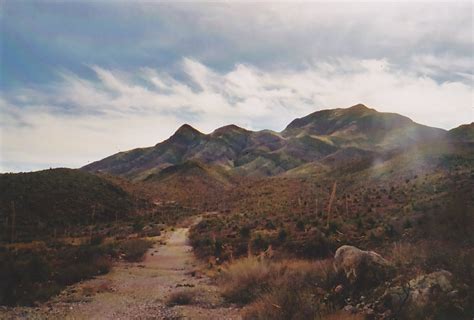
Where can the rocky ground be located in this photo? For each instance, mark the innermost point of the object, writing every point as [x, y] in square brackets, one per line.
[140, 290]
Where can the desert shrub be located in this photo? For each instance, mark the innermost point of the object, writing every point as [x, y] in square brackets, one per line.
[179, 298]
[300, 225]
[316, 246]
[20, 275]
[134, 249]
[407, 224]
[28, 277]
[260, 242]
[97, 239]
[246, 279]
[138, 225]
[249, 279]
[282, 234]
[284, 303]
[245, 232]
[297, 293]
[406, 255]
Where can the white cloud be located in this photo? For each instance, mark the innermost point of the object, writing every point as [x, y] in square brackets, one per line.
[82, 120]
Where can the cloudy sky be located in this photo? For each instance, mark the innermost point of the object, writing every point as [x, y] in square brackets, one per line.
[81, 81]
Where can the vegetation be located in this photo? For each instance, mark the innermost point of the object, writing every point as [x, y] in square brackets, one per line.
[53, 202]
[276, 208]
[30, 276]
[133, 250]
[179, 298]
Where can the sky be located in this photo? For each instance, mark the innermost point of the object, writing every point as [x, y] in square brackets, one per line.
[80, 81]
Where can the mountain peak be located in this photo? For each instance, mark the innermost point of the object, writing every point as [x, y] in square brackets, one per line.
[186, 128]
[228, 129]
[359, 106]
[186, 133]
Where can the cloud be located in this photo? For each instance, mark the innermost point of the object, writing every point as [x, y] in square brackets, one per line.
[128, 35]
[78, 120]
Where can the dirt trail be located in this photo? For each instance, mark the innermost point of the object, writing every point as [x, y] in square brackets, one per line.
[140, 290]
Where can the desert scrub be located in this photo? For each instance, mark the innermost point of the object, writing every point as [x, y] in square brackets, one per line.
[296, 289]
[133, 250]
[30, 276]
[180, 298]
[246, 279]
[251, 279]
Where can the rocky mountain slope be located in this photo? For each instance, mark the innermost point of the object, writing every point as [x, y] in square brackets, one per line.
[324, 137]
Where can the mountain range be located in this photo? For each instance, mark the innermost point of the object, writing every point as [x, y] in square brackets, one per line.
[318, 142]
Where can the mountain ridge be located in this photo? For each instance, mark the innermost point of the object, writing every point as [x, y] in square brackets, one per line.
[268, 153]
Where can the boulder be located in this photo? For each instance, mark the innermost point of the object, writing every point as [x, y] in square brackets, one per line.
[363, 267]
[423, 295]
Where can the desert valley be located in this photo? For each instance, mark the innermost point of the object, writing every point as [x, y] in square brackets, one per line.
[348, 213]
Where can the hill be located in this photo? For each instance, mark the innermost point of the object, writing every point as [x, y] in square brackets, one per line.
[53, 200]
[464, 132]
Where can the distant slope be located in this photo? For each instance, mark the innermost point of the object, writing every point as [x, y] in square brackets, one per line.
[360, 126]
[58, 198]
[189, 183]
[464, 132]
[311, 139]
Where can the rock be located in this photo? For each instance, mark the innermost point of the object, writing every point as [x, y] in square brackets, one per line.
[424, 294]
[350, 309]
[426, 287]
[365, 268]
[339, 288]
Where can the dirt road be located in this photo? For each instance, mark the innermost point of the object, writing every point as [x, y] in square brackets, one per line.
[140, 290]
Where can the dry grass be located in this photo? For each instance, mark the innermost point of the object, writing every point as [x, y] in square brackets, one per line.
[289, 289]
[406, 255]
[244, 280]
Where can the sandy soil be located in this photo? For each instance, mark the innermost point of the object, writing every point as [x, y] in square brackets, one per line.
[139, 290]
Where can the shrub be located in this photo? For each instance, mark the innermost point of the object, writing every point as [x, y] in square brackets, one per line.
[286, 302]
[245, 232]
[246, 279]
[134, 249]
[97, 239]
[294, 293]
[249, 279]
[282, 234]
[180, 298]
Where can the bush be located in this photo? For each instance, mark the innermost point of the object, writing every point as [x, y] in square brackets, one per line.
[134, 249]
[249, 279]
[28, 277]
[293, 294]
[97, 239]
[180, 298]
[246, 279]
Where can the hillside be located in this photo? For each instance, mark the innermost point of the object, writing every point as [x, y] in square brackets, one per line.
[57, 199]
[464, 132]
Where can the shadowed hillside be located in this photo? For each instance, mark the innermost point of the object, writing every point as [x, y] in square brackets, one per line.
[41, 202]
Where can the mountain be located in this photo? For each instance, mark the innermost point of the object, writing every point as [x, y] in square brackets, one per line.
[362, 127]
[324, 138]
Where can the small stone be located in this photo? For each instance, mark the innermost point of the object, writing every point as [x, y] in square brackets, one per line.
[350, 309]
[453, 294]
